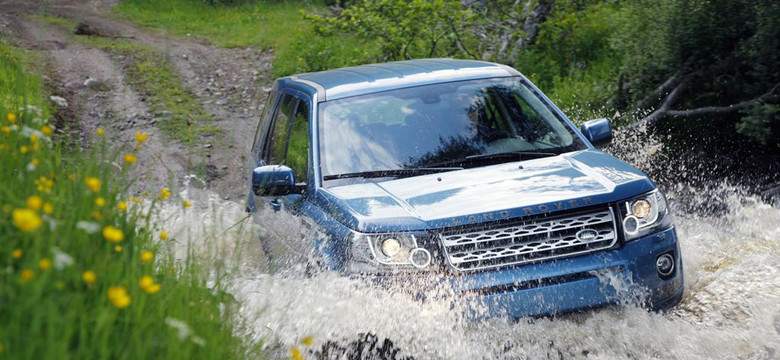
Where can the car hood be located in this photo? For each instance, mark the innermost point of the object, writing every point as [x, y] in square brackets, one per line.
[504, 191]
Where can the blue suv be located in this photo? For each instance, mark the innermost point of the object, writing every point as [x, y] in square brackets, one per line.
[463, 172]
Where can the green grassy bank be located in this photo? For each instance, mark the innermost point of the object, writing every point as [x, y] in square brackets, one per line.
[83, 275]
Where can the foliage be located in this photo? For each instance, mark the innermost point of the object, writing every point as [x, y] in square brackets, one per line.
[276, 25]
[401, 29]
[82, 277]
[573, 59]
[723, 53]
[760, 122]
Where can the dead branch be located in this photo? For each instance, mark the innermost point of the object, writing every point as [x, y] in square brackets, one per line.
[664, 110]
[664, 89]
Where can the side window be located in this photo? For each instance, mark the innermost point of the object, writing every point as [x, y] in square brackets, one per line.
[288, 141]
[276, 145]
[298, 150]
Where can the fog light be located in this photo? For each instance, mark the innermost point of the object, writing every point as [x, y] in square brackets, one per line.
[631, 225]
[420, 258]
[391, 247]
[665, 264]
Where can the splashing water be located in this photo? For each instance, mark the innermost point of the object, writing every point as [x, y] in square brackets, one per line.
[730, 310]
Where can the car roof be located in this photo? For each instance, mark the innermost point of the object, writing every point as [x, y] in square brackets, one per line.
[366, 79]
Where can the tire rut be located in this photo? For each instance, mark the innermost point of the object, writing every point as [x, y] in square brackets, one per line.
[229, 83]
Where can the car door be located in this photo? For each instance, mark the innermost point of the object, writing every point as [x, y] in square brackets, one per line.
[283, 139]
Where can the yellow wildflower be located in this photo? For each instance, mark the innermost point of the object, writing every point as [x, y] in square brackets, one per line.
[44, 184]
[34, 202]
[147, 256]
[152, 289]
[100, 202]
[100, 131]
[17, 253]
[48, 208]
[147, 284]
[296, 354]
[26, 275]
[44, 264]
[24, 149]
[121, 206]
[93, 183]
[33, 138]
[6, 130]
[308, 340]
[145, 281]
[113, 234]
[163, 235]
[89, 277]
[11, 117]
[47, 130]
[164, 194]
[118, 296]
[130, 159]
[118, 248]
[141, 137]
[186, 203]
[26, 220]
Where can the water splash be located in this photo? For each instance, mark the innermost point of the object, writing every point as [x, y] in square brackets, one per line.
[729, 310]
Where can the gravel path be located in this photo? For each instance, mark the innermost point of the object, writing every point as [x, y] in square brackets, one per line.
[228, 83]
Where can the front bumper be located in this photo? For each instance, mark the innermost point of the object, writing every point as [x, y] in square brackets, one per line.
[625, 275]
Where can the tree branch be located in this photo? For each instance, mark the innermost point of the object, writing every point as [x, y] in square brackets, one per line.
[661, 111]
[459, 41]
[664, 89]
[664, 110]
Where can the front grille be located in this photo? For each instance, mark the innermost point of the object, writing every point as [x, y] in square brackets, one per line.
[530, 241]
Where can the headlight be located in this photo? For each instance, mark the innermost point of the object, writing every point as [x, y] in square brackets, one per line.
[645, 214]
[388, 253]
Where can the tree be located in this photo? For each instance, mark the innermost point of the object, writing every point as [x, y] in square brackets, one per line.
[721, 63]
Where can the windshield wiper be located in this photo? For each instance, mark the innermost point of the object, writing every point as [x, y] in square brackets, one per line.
[397, 173]
[511, 155]
[481, 159]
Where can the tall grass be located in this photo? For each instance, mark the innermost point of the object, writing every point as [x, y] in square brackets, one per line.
[82, 276]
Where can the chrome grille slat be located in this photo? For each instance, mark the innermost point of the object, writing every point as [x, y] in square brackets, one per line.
[529, 241]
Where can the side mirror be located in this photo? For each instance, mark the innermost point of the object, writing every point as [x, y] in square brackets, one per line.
[271, 180]
[597, 131]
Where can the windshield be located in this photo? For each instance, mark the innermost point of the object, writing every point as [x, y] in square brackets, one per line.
[451, 125]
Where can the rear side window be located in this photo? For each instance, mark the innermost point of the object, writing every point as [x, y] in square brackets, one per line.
[276, 146]
[288, 140]
[298, 145]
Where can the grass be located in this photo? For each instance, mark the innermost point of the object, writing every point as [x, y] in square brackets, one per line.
[83, 276]
[277, 25]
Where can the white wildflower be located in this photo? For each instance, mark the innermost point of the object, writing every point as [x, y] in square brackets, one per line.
[61, 259]
[88, 226]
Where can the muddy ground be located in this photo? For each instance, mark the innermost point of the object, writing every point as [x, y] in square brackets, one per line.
[230, 84]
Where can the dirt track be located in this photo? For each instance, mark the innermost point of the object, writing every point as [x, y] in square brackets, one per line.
[228, 82]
